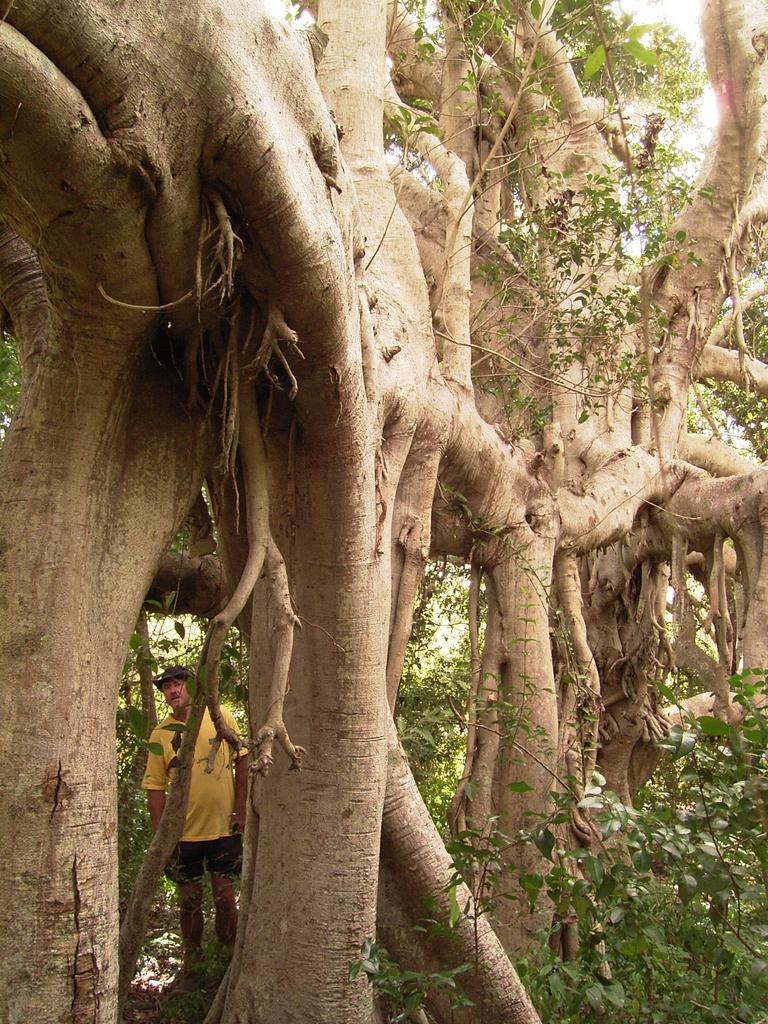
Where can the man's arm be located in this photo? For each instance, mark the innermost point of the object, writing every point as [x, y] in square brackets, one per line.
[156, 802]
[241, 792]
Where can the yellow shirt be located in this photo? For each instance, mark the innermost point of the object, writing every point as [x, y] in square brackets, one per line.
[211, 796]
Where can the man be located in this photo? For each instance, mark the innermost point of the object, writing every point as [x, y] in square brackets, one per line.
[211, 838]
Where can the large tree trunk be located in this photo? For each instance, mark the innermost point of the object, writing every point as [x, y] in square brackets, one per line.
[239, 221]
[316, 868]
[89, 498]
[417, 879]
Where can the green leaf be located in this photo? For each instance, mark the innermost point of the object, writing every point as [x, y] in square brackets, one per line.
[606, 887]
[642, 53]
[594, 61]
[536, 8]
[654, 934]
[137, 722]
[594, 868]
[679, 742]
[412, 1001]
[532, 885]
[594, 996]
[455, 913]
[557, 987]
[687, 886]
[641, 860]
[519, 787]
[614, 994]
[545, 842]
[634, 946]
[155, 748]
[636, 31]
[179, 627]
[712, 726]
[175, 727]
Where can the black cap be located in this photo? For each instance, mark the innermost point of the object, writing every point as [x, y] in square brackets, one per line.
[172, 672]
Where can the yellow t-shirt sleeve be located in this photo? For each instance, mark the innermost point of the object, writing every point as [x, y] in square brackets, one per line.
[232, 724]
[156, 773]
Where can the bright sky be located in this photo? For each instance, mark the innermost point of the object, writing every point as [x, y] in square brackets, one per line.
[683, 14]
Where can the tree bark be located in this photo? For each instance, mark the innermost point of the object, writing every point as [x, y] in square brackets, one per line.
[103, 521]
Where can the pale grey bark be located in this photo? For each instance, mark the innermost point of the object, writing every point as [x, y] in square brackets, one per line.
[279, 253]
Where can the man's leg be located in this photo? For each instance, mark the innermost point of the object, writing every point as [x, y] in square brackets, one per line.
[191, 914]
[186, 870]
[225, 907]
[224, 863]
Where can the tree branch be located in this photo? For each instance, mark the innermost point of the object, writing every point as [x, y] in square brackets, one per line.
[714, 456]
[726, 364]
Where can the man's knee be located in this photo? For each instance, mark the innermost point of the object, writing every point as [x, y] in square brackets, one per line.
[223, 890]
[191, 896]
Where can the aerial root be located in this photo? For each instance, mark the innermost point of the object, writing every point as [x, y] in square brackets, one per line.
[264, 739]
[367, 344]
[581, 826]
[566, 575]
[389, 352]
[655, 727]
[609, 727]
[380, 473]
[230, 401]
[285, 622]
[253, 463]
[277, 334]
[263, 554]
[457, 812]
[228, 249]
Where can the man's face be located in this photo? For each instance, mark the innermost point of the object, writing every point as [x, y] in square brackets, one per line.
[175, 693]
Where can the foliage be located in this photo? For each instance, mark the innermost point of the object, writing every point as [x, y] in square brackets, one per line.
[671, 908]
[166, 990]
[402, 992]
[10, 378]
[433, 691]
[741, 414]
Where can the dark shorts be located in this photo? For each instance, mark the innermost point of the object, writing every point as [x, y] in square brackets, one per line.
[222, 856]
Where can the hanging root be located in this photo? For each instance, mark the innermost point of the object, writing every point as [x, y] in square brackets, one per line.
[732, 273]
[655, 726]
[569, 593]
[253, 461]
[677, 580]
[581, 826]
[276, 334]
[368, 345]
[218, 249]
[285, 621]
[718, 596]
[457, 818]
[262, 554]
[227, 251]
[380, 472]
[230, 401]
[718, 599]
